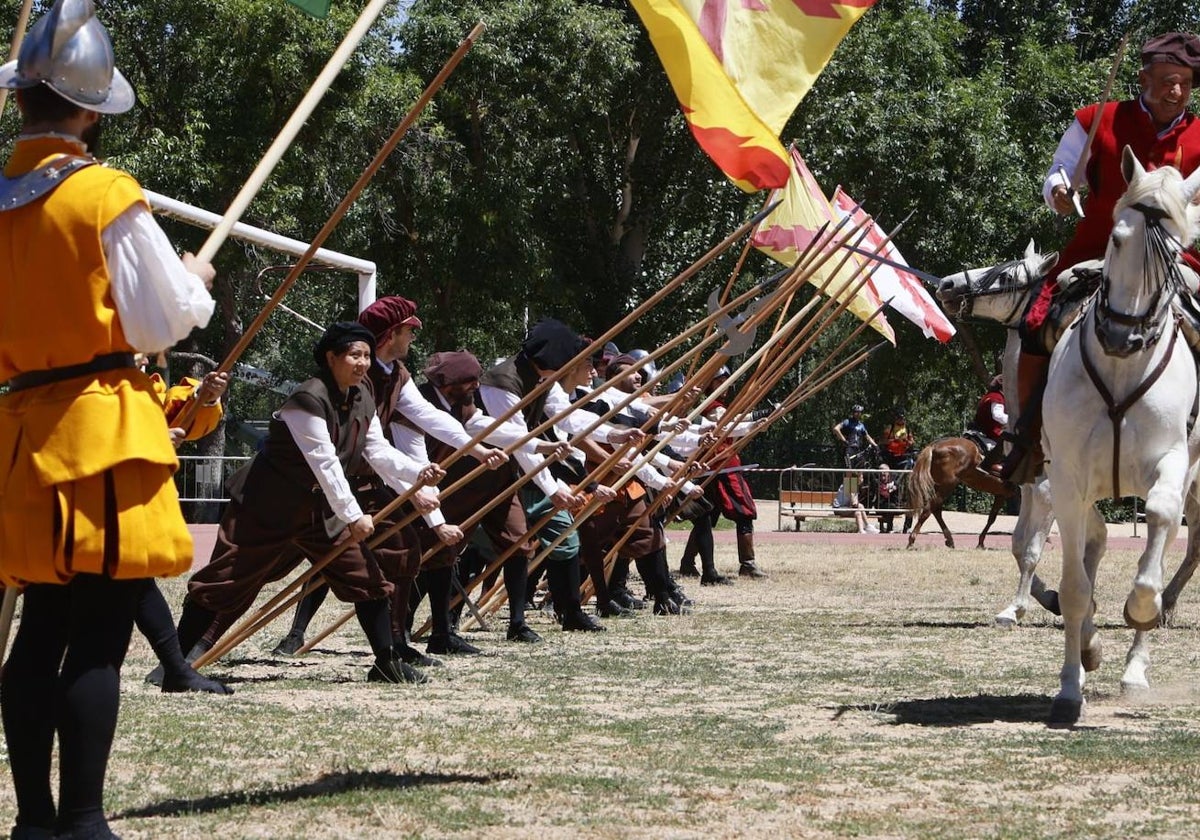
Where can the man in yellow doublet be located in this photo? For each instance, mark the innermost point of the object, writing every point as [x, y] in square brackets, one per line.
[88, 509]
[62, 444]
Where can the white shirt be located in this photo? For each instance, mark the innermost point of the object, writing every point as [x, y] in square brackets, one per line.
[312, 437]
[497, 402]
[428, 418]
[999, 414]
[158, 300]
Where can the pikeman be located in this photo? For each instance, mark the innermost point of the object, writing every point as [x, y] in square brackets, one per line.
[549, 346]
[90, 513]
[393, 321]
[294, 500]
[452, 380]
[727, 493]
[646, 547]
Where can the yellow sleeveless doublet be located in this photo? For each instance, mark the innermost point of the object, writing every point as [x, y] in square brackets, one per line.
[85, 463]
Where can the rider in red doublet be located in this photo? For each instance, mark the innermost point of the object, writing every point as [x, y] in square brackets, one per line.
[1161, 132]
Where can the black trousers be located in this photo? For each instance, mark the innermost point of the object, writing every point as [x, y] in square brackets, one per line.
[63, 677]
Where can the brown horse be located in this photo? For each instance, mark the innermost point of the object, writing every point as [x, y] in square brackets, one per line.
[942, 466]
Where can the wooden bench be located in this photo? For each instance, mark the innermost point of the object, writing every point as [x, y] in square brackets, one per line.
[801, 504]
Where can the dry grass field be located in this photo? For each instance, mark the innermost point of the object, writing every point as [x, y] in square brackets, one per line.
[861, 692]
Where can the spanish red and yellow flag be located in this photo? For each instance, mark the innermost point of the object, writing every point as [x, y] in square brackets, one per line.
[740, 68]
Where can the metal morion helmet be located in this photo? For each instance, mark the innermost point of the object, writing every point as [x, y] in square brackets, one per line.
[649, 370]
[68, 49]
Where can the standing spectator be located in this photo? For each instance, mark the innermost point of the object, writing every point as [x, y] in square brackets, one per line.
[854, 436]
[899, 447]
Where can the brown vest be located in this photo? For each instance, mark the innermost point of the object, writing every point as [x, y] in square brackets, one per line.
[279, 477]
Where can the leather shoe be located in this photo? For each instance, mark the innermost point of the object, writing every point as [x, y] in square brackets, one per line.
[523, 633]
[411, 656]
[395, 671]
[451, 644]
[748, 569]
[289, 644]
[687, 568]
[579, 621]
[663, 605]
[626, 599]
[716, 580]
[614, 610]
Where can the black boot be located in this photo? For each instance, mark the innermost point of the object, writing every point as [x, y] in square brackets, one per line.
[702, 534]
[563, 576]
[618, 587]
[175, 673]
[375, 619]
[1026, 437]
[306, 610]
[516, 584]
[746, 565]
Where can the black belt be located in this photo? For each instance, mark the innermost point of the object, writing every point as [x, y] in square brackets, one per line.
[35, 378]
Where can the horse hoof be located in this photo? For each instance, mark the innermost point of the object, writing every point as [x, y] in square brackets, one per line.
[1092, 655]
[1064, 712]
[1140, 625]
[1134, 685]
[949, 543]
[1052, 602]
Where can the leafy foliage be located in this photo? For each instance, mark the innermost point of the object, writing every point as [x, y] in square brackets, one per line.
[554, 174]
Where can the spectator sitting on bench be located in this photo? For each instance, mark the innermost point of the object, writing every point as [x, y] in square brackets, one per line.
[847, 498]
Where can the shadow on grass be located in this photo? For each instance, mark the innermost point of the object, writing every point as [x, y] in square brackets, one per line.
[329, 784]
[961, 711]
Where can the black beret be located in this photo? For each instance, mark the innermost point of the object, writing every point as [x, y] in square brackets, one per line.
[1180, 48]
[338, 337]
[552, 344]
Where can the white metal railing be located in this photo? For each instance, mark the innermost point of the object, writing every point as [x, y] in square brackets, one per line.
[201, 478]
[811, 491]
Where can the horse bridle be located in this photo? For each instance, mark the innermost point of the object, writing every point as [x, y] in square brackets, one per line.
[986, 286]
[1147, 328]
[1142, 330]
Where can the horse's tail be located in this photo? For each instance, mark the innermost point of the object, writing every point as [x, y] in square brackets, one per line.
[920, 481]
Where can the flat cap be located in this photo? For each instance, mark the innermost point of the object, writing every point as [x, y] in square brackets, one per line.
[1180, 48]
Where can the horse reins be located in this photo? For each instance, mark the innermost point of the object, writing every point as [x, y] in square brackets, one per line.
[1116, 411]
[1148, 323]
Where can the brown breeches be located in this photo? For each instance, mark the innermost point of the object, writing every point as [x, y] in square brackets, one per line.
[247, 556]
[603, 529]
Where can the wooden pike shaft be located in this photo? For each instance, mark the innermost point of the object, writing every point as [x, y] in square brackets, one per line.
[13, 51]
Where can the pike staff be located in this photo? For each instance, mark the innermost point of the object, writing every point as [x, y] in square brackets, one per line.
[268, 611]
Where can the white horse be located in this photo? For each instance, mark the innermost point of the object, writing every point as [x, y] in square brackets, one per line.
[1001, 294]
[1120, 391]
